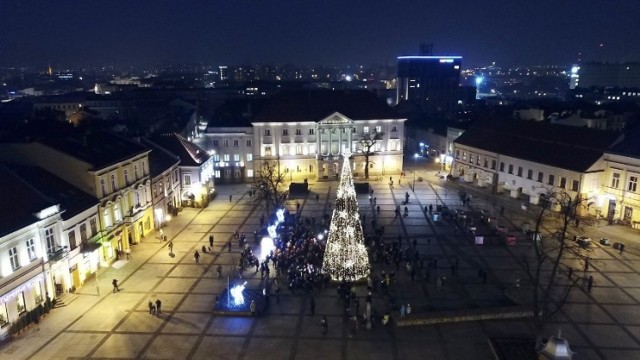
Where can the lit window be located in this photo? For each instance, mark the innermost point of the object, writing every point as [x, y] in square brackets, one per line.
[225, 157]
[378, 129]
[249, 172]
[249, 157]
[72, 240]
[615, 180]
[575, 185]
[50, 239]
[633, 183]
[106, 217]
[13, 258]
[236, 157]
[31, 249]
[365, 130]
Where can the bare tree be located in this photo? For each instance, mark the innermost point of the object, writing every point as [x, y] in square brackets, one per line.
[366, 146]
[269, 185]
[548, 294]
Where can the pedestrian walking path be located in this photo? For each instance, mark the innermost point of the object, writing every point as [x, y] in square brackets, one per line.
[98, 323]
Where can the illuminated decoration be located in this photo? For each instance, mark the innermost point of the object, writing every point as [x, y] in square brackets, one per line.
[266, 246]
[45, 213]
[345, 256]
[236, 293]
[11, 295]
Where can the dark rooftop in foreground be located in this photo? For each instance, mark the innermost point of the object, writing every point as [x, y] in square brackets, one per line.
[71, 199]
[566, 147]
[189, 153]
[100, 149]
[315, 105]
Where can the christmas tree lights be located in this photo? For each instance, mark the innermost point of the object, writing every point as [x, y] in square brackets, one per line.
[345, 256]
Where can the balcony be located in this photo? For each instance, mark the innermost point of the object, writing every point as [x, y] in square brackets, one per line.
[58, 253]
[394, 135]
[285, 139]
[267, 139]
[299, 139]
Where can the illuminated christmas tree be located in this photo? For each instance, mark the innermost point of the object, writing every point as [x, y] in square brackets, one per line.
[345, 257]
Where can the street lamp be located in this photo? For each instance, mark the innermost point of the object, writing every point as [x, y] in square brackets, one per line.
[415, 158]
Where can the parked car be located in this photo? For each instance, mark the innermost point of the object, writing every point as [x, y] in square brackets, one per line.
[583, 241]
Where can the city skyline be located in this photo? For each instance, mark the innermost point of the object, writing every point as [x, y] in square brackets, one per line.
[303, 32]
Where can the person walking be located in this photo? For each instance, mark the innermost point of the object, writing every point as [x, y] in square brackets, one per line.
[403, 311]
[115, 285]
[151, 308]
[586, 264]
[171, 247]
[590, 283]
[211, 240]
[158, 305]
[230, 198]
[219, 271]
[196, 256]
[253, 307]
[324, 325]
[621, 248]
[229, 246]
[312, 306]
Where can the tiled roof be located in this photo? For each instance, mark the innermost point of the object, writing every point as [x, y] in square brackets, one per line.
[71, 199]
[189, 153]
[237, 112]
[22, 201]
[565, 147]
[160, 160]
[27, 190]
[630, 144]
[100, 149]
[315, 105]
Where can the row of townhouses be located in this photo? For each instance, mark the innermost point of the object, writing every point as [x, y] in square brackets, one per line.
[80, 202]
[528, 159]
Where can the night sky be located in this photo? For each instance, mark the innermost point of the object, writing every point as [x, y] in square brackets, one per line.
[328, 32]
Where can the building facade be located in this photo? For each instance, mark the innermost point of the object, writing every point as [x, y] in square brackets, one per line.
[110, 168]
[306, 132]
[431, 81]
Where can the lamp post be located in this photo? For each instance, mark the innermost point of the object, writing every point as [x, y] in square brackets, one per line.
[415, 159]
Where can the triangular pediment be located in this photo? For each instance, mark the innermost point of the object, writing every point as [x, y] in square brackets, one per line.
[336, 118]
